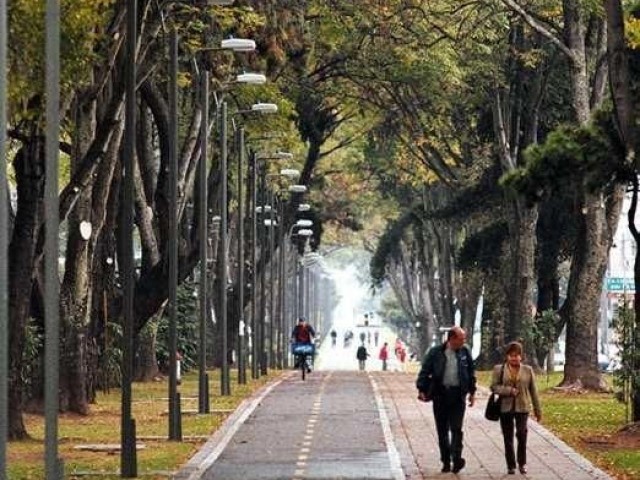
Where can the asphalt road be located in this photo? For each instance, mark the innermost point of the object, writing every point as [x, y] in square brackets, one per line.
[328, 426]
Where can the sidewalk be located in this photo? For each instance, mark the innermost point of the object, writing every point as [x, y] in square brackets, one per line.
[363, 425]
[548, 458]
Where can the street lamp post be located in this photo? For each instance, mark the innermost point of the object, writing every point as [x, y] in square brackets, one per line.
[203, 379]
[175, 417]
[225, 387]
[53, 464]
[128, 461]
[285, 315]
[300, 269]
[236, 45]
[255, 371]
[273, 330]
[225, 384]
[4, 243]
[262, 242]
[282, 357]
[257, 108]
[242, 373]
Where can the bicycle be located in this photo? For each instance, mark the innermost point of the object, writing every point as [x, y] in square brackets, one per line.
[303, 352]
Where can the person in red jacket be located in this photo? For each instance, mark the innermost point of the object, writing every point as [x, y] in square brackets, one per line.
[384, 355]
[302, 332]
[302, 335]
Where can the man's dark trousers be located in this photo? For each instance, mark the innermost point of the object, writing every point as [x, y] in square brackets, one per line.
[448, 411]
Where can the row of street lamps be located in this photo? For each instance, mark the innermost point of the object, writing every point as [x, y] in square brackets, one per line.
[262, 254]
[266, 348]
[251, 339]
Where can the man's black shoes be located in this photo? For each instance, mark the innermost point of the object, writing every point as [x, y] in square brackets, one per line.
[458, 465]
[446, 467]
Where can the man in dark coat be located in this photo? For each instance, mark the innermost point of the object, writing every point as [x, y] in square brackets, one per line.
[362, 355]
[447, 376]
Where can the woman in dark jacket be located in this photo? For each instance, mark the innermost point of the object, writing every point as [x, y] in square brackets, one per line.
[515, 383]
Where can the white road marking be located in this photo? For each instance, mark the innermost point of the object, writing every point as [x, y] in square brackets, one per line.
[394, 456]
[228, 435]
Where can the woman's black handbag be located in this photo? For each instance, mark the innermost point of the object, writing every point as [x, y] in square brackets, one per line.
[492, 412]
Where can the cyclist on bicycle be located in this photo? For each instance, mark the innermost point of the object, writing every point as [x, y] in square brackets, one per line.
[302, 334]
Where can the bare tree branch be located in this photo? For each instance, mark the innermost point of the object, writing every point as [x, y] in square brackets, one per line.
[538, 27]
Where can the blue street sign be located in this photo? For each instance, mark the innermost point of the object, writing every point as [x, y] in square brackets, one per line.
[619, 284]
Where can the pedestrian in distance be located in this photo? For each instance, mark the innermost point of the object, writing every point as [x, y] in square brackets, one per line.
[515, 383]
[384, 355]
[348, 336]
[397, 347]
[334, 336]
[447, 377]
[362, 355]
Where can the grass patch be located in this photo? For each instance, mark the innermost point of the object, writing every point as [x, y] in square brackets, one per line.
[580, 418]
[102, 426]
[575, 418]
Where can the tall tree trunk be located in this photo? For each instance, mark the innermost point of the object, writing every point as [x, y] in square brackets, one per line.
[516, 110]
[635, 344]
[581, 306]
[621, 88]
[595, 235]
[585, 286]
[493, 327]
[75, 293]
[146, 362]
[523, 255]
[103, 267]
[29, 168]
[547, 261]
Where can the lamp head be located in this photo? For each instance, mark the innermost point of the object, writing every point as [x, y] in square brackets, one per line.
[297, 188]
[304, 222]
[289, 172]
[264, 108]
[238, 44]
[251, 78]
[283, 155]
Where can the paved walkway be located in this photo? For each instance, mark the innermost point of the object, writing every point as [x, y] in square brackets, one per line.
[414, 434]
[362, 425]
